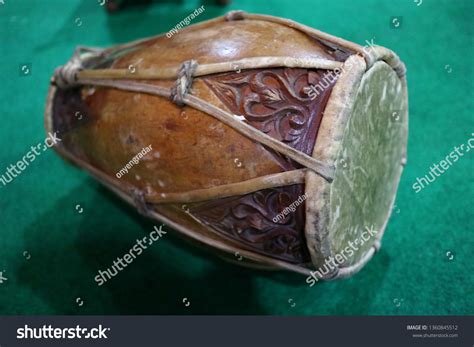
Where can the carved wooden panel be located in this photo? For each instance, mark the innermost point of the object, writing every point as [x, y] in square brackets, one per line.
[275, 101]
[249, 219]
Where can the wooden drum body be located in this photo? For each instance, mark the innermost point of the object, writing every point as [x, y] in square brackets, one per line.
[266, 138]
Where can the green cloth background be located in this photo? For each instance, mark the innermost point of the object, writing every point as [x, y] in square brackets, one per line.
[411, 275]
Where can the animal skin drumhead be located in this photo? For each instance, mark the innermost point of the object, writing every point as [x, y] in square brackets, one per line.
[368, 168]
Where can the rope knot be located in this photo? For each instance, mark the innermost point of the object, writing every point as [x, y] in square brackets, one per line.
[183, 82]
[65, 75]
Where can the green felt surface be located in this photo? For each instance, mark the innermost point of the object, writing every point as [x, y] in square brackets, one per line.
[411, 275]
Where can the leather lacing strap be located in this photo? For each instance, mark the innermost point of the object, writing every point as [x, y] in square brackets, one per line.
[371, 55]
[325, 170]
[183, 82]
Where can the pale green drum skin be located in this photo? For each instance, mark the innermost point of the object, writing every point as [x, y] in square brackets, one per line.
[369, 164]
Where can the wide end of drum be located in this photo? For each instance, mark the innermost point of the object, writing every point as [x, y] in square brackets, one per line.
[353, 211]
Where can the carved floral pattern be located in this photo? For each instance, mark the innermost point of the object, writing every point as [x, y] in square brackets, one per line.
[249, 219]
[276, 102]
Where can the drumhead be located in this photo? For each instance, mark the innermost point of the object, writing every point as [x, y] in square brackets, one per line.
[368, 155]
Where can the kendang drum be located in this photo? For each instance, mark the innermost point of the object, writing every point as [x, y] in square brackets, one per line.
[275, 145]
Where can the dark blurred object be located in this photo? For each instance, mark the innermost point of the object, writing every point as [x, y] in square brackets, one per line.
[116, 5]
